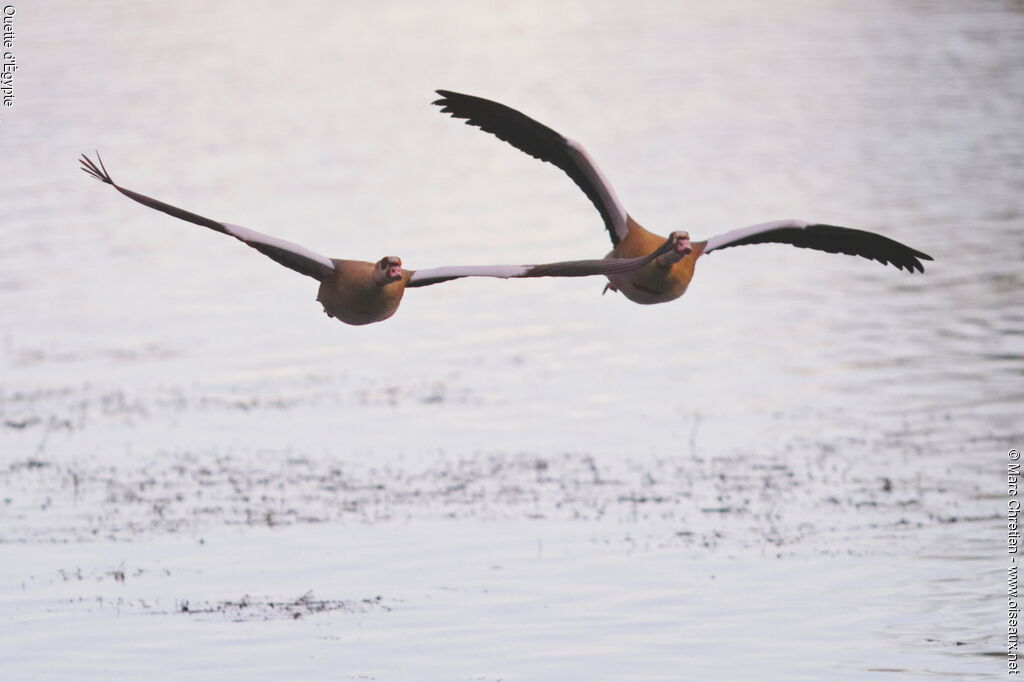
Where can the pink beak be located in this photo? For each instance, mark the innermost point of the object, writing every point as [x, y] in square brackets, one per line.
[394, 271]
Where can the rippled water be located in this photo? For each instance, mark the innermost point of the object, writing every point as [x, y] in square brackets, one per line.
[794, 472]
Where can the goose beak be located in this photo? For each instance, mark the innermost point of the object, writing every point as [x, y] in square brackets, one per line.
[682, 243]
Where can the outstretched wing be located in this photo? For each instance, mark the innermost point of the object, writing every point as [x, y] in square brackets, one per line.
[541, 142]
[286, 253]
[828, 238]
[572, 268]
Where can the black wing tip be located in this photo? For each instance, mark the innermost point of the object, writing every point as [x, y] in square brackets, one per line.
[453, 95]
[450, 101]
[908, 262]
[912, 257]
[917, 265]
[446, 97]
[846, 240]
[461, 105]
[97, 171]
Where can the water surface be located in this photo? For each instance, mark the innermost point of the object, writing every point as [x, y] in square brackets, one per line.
[794, 472]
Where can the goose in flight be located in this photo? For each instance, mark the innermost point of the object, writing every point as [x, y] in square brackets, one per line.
[358, 292]
[668, 275]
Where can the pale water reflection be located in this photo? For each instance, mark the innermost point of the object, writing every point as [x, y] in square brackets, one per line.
[793, 472]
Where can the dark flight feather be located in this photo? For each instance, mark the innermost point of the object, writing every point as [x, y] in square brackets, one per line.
[572, 268]
[835, 239]
[526, 135]
[289, 259]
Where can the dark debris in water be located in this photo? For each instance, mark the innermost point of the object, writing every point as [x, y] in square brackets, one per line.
[746, 499]
[75, 407]
[248, 608]
[831, 488]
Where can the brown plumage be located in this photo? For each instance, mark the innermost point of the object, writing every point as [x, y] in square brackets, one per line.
[354, 295]
[667, 276]
[658, 281]
[358, 292]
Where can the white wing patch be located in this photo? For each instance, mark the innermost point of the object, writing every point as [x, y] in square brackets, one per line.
[604, 188]
[500, 271]
[247, 235]
[721, 240]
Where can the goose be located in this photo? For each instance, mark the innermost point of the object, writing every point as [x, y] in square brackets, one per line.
[668, 275]
[359, 292]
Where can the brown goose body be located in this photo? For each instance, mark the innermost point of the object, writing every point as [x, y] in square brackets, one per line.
[358, 292]
[352, 295]
[666, 277]
[658, 281]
